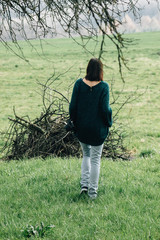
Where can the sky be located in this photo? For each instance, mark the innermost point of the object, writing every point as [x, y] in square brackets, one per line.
[150, 18]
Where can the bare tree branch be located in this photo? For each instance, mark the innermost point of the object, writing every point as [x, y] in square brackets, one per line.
[48, 18]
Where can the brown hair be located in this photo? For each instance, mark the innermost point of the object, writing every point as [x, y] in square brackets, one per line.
[94, 71]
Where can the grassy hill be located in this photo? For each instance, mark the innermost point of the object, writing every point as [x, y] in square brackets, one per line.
[35, 191]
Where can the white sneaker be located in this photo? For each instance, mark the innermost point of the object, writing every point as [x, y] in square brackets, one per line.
[84, 190]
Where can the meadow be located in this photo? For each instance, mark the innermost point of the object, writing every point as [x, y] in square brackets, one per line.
[35, 190]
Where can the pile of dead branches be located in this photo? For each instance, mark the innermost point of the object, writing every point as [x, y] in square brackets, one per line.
[46, 135]
[41, 137]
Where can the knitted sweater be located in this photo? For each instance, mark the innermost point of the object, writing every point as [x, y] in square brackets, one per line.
[90, 112]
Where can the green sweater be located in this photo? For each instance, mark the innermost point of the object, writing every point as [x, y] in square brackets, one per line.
[90, 112]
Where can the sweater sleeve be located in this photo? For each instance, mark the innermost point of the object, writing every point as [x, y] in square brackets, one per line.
[73, 103]
[106, 109]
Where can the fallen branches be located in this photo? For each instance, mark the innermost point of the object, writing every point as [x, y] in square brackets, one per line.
[42, 137]
[46, 135]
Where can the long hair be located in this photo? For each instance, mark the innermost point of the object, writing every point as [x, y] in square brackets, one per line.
[94, 71]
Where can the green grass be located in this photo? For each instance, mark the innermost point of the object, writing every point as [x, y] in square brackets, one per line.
[34, 191]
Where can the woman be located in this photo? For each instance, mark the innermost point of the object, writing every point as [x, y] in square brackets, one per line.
[92, 116]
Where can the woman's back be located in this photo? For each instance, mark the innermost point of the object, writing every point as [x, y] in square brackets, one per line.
[92, 111]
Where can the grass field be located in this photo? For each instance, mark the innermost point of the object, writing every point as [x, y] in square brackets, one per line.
[35, 191]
